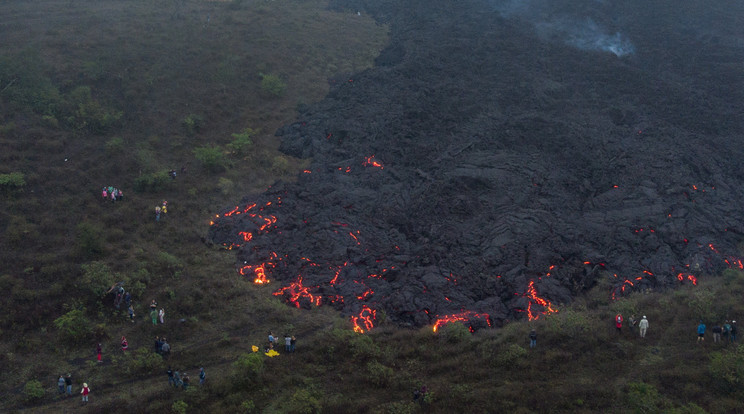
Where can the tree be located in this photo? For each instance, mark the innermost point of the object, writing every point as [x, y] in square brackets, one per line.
[211, 157]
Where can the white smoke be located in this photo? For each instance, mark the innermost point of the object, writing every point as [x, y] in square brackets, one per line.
[582, 33]
[587, 35]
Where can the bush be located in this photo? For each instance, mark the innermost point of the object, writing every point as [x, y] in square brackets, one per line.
[97, 278]
[728, 367]
[272, 84]
[192, 124]
[114, 146]
[511, 356]
[248, 368]
[379, 374]
[74, 327]
[303, 402]
[241, 142]
[179, 407]
[89, 241]
[33, 391]
[644, 398]
[211, 157]
[12, 182]
[145, 361]
[454, 333]
[153, 182]
[87, 113]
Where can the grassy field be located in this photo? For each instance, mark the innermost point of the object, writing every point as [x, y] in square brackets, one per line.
[99, 93]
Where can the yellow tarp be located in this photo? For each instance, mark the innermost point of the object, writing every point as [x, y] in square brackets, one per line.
[272, 353]
[254, 348]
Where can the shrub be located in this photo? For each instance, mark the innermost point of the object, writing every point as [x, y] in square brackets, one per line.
[211, 157]
[114, 146]
[248, 368]
[24, 82]
[303, 402]
[145, 361]
[167, 263]
[12, 182]
[728, 367]
[74, 327]
[87, 113]
[33, 391]
[454, 333]
[248, 407]
[97, 278]
[272, 84]
[179, 407]
[192, 123]
[512, 355]
[153, 182]
[379, 374]
[89, 241]
[241, 142]
[225, 185]
[644, 398]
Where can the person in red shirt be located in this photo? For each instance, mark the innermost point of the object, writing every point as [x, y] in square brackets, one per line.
[619, 323]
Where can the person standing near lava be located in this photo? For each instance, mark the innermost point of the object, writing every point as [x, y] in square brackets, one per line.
[642, 326]
[533, 338]
[619, 323]
[701, 332]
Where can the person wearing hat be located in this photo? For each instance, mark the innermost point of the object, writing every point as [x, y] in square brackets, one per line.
[642, 326]
[85, 391]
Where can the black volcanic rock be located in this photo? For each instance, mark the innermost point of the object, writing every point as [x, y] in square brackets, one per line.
[485, 170]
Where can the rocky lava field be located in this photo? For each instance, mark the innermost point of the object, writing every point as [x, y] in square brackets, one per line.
[502, 158]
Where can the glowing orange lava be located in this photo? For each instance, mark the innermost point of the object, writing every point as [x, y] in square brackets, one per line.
[464, 316]
[366, 317]
[296, 291]
[531, 295]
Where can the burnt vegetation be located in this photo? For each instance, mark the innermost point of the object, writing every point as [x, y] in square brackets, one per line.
[408, 187]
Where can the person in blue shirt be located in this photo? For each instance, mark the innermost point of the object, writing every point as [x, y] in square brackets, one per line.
[701, 332]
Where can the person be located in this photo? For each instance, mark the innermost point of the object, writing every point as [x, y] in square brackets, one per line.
[85, 391]
[128, 299]
[272, 338]
[643, 326]
[171, 380]
[164, 209]
[172, 174]
[161, 315]
[424, 390]
[287, 343]
[632, 323]
[701, 332]
[726, 331]
[99, 350]
[619, 323]
[416, 395]
[158, 345]
[186, 381]
[68, 383]
[157, 213]
[202, 376]
[154, 316]
[177, 379]
[104, 193]
[131, 313]
[124, 344]
[165, 349]
[733, 331]
[292, 344]
[533, 338]
[717, 330]
[61, 384]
